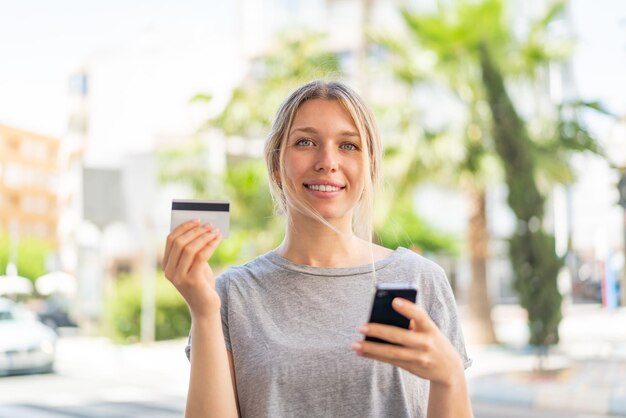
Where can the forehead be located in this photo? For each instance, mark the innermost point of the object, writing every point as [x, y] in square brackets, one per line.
[319, 113]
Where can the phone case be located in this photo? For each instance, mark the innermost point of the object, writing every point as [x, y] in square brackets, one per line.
[383, 312]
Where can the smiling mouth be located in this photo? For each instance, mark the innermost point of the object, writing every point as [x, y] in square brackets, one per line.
[323, 187]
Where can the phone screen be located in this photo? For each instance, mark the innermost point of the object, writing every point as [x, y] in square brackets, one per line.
[383, 312]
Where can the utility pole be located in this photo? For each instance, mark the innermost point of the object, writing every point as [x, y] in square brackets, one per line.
[621, 185]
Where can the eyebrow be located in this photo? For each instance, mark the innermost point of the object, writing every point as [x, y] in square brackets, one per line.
[311, 130]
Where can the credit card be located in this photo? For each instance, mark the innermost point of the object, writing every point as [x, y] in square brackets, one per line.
[215, 212]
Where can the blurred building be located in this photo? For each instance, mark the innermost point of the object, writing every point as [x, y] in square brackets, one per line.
[70, 176]
[126, 103]
[29, 196]
[39, 191]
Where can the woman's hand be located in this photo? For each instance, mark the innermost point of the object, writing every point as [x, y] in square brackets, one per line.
[187, 250]
[422, 349]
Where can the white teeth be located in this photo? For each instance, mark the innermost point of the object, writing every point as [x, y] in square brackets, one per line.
[323, 187]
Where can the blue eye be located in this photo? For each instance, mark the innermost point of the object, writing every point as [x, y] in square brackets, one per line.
[349, 147]
[304, 142]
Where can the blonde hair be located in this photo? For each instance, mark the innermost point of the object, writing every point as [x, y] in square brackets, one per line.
[362, 221]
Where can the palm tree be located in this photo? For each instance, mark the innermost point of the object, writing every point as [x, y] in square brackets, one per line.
[451, 37]
[294, 59]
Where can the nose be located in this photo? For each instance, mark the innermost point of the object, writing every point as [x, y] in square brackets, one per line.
[327, 160]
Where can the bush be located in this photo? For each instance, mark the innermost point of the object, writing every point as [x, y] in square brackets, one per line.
[122, 318]
[404, 228]
[31, 256]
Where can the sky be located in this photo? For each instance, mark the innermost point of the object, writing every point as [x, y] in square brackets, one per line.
[42, 43]
[600, 55]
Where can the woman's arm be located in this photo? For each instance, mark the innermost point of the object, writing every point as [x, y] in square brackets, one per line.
[233, 377]
[211, 391]
[449, 400]
[425, 352]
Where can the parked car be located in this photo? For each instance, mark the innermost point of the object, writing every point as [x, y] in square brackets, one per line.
[26, 345]
[53, 312]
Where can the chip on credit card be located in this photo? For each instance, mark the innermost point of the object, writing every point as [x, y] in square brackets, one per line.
[214, 212]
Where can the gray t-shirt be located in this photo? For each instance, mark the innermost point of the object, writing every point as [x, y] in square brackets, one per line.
[290, 327]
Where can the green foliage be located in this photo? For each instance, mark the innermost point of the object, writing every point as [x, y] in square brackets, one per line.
[187, 164]
[202, 97]
[404, 228]
[122, 312]
[122, 318]
[172, 314]
[298, 58]
[31, 256]
[247, 181]
[455, 32]
[254, 228]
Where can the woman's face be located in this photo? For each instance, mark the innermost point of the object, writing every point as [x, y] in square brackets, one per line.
[323, 159]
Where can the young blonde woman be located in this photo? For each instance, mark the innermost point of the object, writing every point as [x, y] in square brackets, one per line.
[282, 336]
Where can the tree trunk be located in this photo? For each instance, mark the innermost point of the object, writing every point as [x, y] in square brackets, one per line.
[531, 249]
[480, 325]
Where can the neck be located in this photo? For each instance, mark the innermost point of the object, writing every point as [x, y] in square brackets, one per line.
[318, 245]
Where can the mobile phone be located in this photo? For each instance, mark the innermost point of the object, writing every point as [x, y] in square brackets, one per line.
[383, 312]
[215, 212]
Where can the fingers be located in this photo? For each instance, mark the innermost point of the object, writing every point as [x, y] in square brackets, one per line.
[411, 346]
[177, 232]
[394, 335]
[179, 244]
[420, 321]
[208, 250]
[194, 250]
[414, 349]
[417, 336]
[421, 350]
[393, 354]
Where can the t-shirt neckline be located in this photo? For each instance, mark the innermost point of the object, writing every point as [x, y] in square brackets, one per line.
[282, 262]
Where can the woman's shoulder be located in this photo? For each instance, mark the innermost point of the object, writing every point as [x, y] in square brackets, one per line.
[259, 265]
[425, 265]
[380, 252]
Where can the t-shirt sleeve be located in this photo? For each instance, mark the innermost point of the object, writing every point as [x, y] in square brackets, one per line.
[221, 286]
[443, 312]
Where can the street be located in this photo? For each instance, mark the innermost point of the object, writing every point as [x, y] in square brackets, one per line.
[89, 396]
[82, 395]
[167, 408]
[94, 378]
[500, 411]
